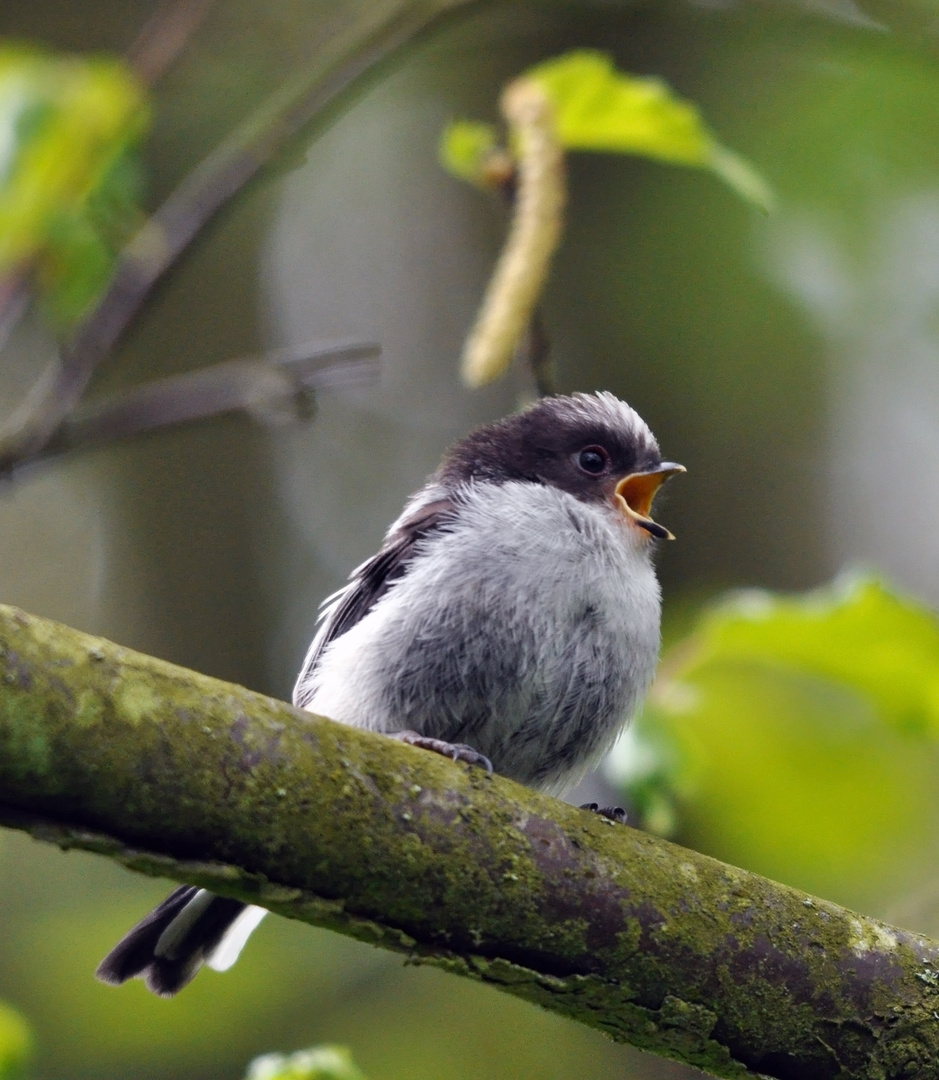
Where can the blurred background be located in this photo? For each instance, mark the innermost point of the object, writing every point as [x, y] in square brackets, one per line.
[790, 362]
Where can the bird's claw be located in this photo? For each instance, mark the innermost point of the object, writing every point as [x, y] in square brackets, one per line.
[612, 813]
[454, 751]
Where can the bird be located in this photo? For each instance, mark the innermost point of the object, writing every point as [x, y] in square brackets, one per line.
[510, 619]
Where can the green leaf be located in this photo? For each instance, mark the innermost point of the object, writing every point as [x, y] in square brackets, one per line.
[601, 109]
[16, 1044]
[799, 736]
[857, 634]
[68, 193]
[320, 1063]
[83, 244]
[465, 146]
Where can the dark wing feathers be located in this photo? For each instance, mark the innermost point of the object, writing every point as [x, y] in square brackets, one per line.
[369, 582]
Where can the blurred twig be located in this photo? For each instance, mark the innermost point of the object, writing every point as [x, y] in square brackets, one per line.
[14, 299]
[164, 36]
[534, 352]
[276, 386]
[380, 29]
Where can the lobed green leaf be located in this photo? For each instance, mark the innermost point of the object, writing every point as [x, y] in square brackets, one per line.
[800, 737]
[857, 633]
[601, 109]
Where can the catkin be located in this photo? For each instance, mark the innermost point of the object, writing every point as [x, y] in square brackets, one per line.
[534, 235]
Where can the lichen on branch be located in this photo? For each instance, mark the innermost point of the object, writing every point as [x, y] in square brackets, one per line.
[179, 775]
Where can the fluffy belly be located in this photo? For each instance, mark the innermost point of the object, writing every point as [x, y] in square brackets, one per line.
[532, 644]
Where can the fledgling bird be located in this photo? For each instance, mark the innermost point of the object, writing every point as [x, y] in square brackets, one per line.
[510, 619]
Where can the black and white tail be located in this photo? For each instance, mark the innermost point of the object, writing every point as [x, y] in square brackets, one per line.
[190, 928]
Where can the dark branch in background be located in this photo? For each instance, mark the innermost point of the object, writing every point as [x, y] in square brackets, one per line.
[178, 775]
[534, 353]
[14, 299]
[164, 36]
[280, 385]
[382, 28]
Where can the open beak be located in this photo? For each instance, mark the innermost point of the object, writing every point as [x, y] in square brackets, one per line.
[634, 495]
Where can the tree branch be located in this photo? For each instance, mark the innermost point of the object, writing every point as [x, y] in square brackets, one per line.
[276, 386]
[179, 775]
[164, 36]
[346, 57]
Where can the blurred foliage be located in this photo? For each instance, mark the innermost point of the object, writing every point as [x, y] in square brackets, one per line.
[602, 109]
[797, 735]
[465, 148]
[598, 108]
[856, 126]
[320, 1063]
[69, 177]
[16, 1044]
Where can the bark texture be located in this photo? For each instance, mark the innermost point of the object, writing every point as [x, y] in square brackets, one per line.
[179, 775]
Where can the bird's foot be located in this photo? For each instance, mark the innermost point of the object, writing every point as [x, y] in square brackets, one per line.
[454, 751]
[615, 814]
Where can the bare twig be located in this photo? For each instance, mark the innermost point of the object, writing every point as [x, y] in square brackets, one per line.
[276, 386]
[164, 36]
[14, 299]
[379, 30]
[534, 352]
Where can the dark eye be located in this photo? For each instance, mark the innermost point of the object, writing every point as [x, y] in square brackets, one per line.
[594, 460]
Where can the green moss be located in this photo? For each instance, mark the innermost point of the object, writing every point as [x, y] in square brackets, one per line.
[89, 709]
[208, 783]
[27, 742]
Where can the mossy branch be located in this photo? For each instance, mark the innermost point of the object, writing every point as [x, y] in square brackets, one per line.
[179, 775]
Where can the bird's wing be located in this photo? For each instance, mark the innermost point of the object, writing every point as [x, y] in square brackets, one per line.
[368, 583]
